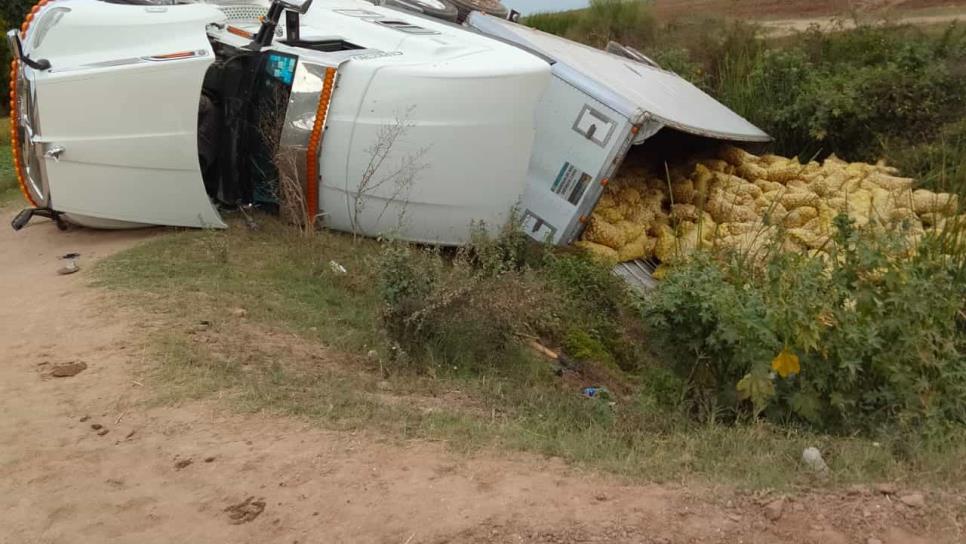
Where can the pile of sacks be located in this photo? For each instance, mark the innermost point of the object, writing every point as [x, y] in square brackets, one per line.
[737, 200]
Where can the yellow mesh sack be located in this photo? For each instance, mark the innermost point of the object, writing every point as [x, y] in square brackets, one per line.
[607, 200]
[714, 165]
[601, 232]
[641, 216]
[735, 156]
[768, 186]
[601, 254]
[783, 173]
[891, 183]
[684, 212]
[925, 201]
[639, 248]
[665, 245]
[610, 215]
[629, 195]
[682, 192]
[751, 171]
[799, 216]
[797, 199]
[630, 231]
[902, 214]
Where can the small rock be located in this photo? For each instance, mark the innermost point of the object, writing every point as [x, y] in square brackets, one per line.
[857, 489]
[239, 312]
[812, 458]
[914, 500]
[129, 435]
[102, 432]
[600, 497]
[182, 463]
[734, 517]
[384, 385]
[85, 418]
[69, 369]
[773, 510]
[886, 489]
[69, 268]
[96, 426]
[372, 354]
[209, 459]
[872, 540]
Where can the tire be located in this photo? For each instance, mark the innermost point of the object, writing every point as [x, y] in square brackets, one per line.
[438, 9]
[489, 7]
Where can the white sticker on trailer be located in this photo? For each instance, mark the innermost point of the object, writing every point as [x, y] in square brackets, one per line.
[594, 125]
[571, 183]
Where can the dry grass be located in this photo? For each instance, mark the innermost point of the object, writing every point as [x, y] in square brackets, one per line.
[667, 10]
[302, 349]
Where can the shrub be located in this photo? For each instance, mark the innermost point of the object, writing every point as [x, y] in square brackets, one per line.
[12, 13]
[871, 336]
[450, 311]
[469, 308]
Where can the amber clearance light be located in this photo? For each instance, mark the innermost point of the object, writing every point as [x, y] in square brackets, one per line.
[315, 141]
[15, 143]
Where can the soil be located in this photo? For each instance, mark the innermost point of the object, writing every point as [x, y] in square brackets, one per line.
[797, 9]
[268, 479]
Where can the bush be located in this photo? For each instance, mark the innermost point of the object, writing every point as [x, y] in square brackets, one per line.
[870, 337]
[470, 309]
[12, 13]
[848, 93]
[456, 311]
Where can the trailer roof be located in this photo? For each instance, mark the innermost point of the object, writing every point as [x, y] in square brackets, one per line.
[630, 87]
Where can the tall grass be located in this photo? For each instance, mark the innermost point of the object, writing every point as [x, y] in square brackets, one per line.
[627, 21]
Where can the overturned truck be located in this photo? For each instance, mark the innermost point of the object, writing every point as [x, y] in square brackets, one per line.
[127, 113]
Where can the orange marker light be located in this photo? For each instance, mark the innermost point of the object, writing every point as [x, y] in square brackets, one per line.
[15, 143]
[315, 142]
[239, 32]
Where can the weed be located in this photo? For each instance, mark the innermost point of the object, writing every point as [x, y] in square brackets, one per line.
[869, 338]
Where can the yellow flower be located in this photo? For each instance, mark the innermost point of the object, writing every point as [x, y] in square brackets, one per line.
[785, 364]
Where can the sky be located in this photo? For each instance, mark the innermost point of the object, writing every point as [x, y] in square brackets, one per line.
[533, 6]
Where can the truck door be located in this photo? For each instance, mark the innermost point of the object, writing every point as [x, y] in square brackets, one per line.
[116, 113]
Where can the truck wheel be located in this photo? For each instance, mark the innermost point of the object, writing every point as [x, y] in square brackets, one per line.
[440, 9]
[489, 7]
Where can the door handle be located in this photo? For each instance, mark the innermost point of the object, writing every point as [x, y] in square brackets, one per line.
[54, 152]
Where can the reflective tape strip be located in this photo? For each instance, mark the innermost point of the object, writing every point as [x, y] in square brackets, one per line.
[315, 143]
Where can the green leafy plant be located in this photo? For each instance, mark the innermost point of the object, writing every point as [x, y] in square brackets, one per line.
[873, 335]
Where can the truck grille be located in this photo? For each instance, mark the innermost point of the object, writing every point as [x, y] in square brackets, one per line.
[243, 13]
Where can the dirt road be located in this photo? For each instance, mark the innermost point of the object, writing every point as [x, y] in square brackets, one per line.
[784, 27]
[196, 473]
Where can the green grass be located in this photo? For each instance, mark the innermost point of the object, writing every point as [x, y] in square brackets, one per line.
[9, 191]
[301, 350]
